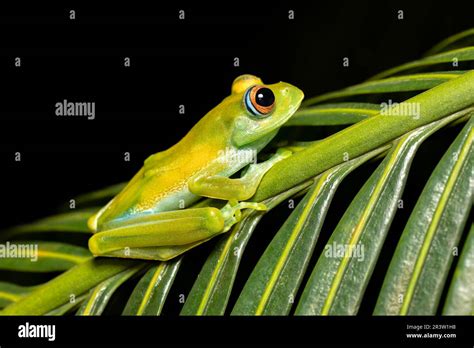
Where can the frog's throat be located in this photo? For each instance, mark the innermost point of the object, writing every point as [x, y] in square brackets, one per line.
[232, 214]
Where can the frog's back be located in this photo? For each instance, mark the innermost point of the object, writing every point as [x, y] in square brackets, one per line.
[162, 183]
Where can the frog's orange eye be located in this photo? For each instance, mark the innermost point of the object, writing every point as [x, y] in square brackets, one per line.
[259, 100]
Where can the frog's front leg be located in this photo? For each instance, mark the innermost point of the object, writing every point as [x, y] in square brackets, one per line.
[221, 187]
[159, 236]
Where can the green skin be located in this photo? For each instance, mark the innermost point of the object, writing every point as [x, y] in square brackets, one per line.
[147, 220]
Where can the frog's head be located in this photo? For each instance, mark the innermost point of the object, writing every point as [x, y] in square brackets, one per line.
[259, 110]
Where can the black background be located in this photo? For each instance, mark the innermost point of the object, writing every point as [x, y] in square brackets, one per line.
[187, 62]
[172, 62]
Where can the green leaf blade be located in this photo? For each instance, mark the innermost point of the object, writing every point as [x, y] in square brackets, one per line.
[460, 299]
[75, 221]
[333, 114]
[41, 256]
[149, 295]
[74, 282]
[99, 297]
[73, 303]
[275, 280]
[99, 195]
[418, 270]
[454, 41]
[461, 54]
[339, 279]
[211, 290]
[10, 293]
[405, 83]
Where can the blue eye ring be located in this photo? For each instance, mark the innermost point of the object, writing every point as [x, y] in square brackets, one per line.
[259, 100]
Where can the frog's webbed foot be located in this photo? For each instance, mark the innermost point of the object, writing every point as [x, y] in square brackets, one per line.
[232, 214]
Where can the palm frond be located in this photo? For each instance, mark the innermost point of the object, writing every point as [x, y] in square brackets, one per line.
[285, 280]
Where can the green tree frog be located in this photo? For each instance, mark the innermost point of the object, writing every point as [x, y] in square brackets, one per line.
[146, 220]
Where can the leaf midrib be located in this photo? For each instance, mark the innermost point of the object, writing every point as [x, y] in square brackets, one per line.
[149, 289]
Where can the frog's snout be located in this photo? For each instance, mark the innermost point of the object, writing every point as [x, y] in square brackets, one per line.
[299, 96]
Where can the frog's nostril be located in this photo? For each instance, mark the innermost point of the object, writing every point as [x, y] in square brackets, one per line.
[285, 91]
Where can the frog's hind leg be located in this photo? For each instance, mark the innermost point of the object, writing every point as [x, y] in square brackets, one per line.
[163, 253]
[171, 233]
